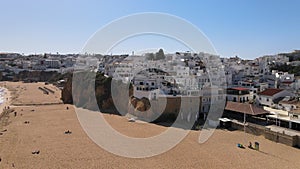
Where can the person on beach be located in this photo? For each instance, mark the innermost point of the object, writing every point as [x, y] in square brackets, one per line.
[250, 145]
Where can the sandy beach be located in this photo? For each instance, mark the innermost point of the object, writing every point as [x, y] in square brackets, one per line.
[47, 119]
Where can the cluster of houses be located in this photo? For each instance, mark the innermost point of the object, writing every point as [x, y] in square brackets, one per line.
[13, 63]
[249, 87]
[177, 75]
[268, 97]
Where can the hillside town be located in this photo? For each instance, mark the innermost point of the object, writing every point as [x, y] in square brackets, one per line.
[150, 84]
[264, 90]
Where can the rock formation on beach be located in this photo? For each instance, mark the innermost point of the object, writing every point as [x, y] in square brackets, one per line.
[99, 88]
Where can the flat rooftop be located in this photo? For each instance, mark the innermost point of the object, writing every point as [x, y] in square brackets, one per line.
[285, 130]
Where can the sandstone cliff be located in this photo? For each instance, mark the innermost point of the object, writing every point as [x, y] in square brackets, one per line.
[102, 88]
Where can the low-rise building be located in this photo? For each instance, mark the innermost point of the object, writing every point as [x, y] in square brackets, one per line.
[272, 96]
[238, 94]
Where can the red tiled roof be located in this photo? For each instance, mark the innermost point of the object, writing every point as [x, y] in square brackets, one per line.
[270, 92]
[244, 108]
[287, 82]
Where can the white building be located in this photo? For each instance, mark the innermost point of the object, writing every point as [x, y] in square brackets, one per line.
[270, 96]
[238, 94]
[54, 64]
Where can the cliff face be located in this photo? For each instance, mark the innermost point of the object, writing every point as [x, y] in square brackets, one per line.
[40, 76]
[100, 87]
[85, 96]
[66, 93]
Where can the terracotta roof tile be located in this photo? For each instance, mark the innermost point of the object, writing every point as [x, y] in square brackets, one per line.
[270, 92]
[287, 82]
[244, 108]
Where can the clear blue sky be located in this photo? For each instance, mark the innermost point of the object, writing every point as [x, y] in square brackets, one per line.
[248, 28]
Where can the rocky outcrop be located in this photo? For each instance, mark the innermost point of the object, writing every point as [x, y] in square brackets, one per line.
[37, 76]
[161, 109]
[66, 93]
[142, 104]
[100, 87]
[83, 96]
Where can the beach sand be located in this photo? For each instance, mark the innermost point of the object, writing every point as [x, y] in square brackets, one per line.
[47, 124]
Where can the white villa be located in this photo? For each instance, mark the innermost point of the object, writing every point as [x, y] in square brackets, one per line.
[270, 96]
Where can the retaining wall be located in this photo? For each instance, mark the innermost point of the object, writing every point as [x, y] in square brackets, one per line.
[268, 134]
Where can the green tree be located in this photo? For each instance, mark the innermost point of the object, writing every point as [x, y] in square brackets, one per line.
[160, 55]
[150, 56]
